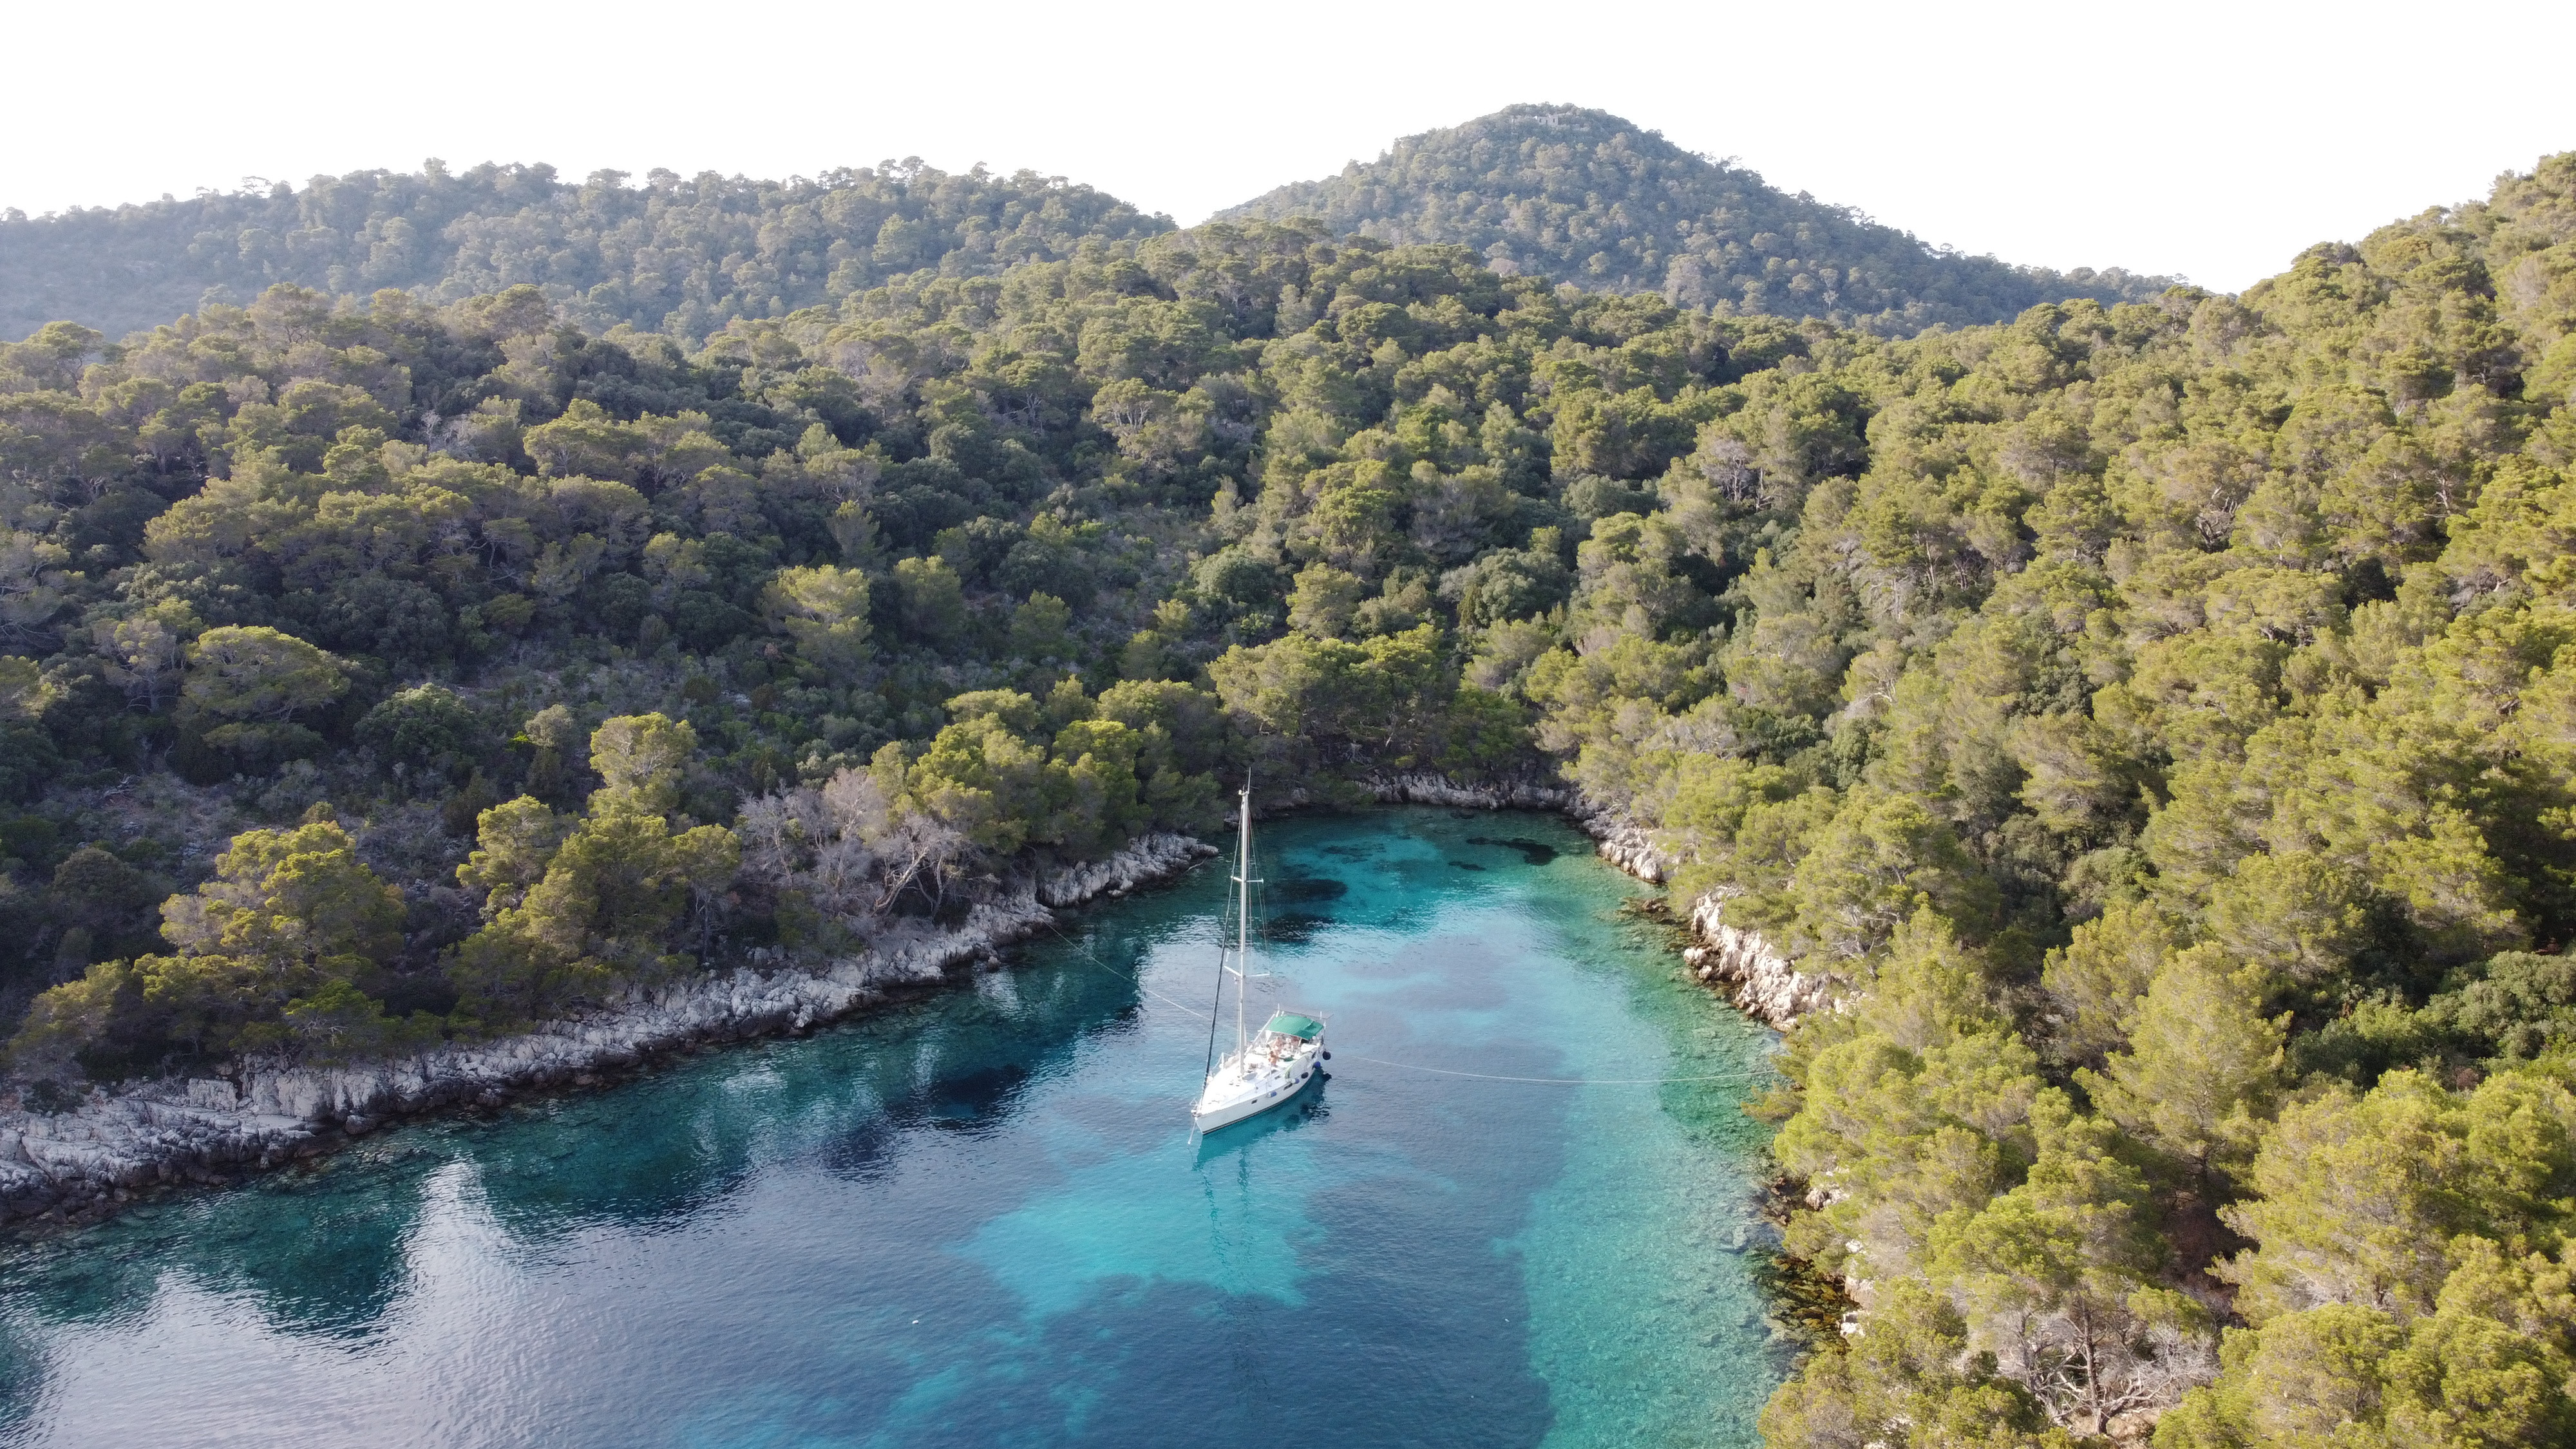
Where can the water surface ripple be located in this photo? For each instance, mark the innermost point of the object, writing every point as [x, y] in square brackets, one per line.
[980, 1219]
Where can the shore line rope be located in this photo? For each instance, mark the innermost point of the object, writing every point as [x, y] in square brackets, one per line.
[1195, 1015]
[1191, 1012]
[1551, 1081]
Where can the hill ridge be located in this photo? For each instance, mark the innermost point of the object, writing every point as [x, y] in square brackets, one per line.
[677, 255]
[1560, 191]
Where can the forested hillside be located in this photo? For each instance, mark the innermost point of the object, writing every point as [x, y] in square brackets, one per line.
[677, 255]
[2158, 717]
[1582, 196]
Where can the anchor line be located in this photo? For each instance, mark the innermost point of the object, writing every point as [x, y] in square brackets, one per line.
[1550, 1081]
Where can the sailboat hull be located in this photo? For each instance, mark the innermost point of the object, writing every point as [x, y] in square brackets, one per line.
[1232, 1098]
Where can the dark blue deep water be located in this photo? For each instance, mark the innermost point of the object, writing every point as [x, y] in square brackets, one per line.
[981, 1219]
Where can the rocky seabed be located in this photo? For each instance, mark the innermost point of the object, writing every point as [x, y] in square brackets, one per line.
[78, 1165]
[1762, 983]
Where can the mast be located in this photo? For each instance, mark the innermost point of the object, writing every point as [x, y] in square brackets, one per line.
[1242, 916]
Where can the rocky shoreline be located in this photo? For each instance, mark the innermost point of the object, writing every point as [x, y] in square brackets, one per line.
[80, 1165]
[1761, 982]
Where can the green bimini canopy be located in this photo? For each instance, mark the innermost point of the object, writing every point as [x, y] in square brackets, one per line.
[1289, 1023]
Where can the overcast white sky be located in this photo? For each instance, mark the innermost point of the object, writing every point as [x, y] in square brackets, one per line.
[2211, 140]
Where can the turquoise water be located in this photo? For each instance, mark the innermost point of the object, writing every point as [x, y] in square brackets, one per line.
[980, 1219]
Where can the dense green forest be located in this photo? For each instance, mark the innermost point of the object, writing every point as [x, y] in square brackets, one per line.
[1582, 196]
[681, 256]
[2159, 715]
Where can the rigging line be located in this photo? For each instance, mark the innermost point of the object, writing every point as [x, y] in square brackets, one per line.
[1216, 1008]
[1552, 1081]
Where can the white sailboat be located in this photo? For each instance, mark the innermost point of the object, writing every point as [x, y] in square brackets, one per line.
[1267, 1068]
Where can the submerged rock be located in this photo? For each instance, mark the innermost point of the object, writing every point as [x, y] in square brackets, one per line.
[208, 1129]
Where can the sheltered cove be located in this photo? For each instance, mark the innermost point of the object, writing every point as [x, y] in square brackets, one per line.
[120, 1144]
[750, 1230]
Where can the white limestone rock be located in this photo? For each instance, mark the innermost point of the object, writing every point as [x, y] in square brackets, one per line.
[1763, 983]
[1424, 787]
[1151, 858]
[1628, 846]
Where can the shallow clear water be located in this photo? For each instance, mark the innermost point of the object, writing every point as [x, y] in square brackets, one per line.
[981, 1219]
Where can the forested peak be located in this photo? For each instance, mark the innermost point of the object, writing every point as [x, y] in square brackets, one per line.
[668, 253]
[1583, 196]
[1551, 151]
